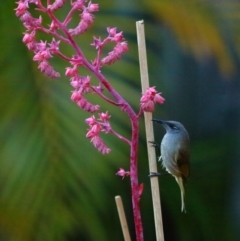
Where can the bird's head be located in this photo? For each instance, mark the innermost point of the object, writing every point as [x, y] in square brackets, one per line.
[171, 126]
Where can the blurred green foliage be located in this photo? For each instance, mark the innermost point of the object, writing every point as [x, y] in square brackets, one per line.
[55, 186]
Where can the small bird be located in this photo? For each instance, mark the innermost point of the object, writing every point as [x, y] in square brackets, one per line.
[175, 153]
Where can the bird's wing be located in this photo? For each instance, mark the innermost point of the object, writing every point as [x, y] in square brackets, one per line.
[182, 160]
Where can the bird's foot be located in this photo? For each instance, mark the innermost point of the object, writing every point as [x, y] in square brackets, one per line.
[154, 174]
[155, 144]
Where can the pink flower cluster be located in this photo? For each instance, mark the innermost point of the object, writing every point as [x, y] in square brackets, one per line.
[42, 50]
[149, 98]
[96, 126]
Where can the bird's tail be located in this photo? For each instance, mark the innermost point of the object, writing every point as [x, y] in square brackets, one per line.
[180, 182]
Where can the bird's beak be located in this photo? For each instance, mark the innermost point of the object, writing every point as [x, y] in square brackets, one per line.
[162, 122]
[159, 121]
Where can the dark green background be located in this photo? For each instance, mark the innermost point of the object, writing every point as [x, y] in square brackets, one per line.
[54, 185]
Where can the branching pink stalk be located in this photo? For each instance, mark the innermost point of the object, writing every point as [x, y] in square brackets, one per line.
[82, 86]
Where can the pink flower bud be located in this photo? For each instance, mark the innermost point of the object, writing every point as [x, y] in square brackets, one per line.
[159, 99]
[53, 26]
[41, 45]
[104, 116]
[42, 56]
[29, 37]
[92, 7]
[148, 106]
[75, 84]
[122, 173]
[54, 46]
[71, 72]
[91, 120]
[97, 43]
[111, 31]
[22, 7]
[87, 17]
[75, 96]
[118, 37]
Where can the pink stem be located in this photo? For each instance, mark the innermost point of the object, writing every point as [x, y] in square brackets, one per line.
[121, 137]
[134, 181]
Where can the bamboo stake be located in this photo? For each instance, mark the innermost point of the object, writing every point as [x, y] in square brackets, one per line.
[122, 218]
[149, 133]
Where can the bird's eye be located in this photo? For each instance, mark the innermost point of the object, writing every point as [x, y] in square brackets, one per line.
[174, 127]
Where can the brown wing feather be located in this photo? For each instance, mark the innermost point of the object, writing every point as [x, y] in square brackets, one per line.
[182, 160]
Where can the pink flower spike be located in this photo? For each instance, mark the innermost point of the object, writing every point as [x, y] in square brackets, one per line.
[116, 54]
[81, 28]
[122, 173]
[100, 145]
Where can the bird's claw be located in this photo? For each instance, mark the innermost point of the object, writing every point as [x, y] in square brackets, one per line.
[154, 174]
[154, 143]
